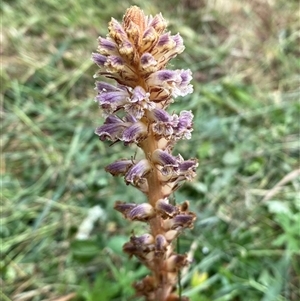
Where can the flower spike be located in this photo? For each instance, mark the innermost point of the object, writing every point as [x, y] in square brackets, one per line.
[134, 57]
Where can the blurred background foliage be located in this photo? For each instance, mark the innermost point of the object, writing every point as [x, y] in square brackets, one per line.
[245, 60]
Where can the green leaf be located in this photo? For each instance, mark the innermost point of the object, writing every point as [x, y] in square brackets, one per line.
[205, 150]
[231, 158]
[278, 207]
[84, 250]
[116, 243]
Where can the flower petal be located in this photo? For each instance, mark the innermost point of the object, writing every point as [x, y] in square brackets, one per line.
[158, 23]
[184, 128]
[124, 208]
[176, 82]
[126, 49]
[111, 98]
[139, 102]
[115, 63]
[175, 47]
[164, 158]
[149, 40]
[169, 164]
[165, 209]
[142, 212]
[145, 239]
[119, 167]
[112, 129]
[99, 59]
[171, 235]
[105, 87]
[176, 262]
[160, 244]
[116, 31]
[106, 46]
[137, 172]
[188, 169]
[148, 63]
[135, 133]
[163, 122]
[180, 221]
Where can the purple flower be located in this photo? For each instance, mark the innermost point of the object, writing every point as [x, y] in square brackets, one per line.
[165, 209]
[164, 123]
[116, 31]
[112, 129]
[150, 38]
[135, 133]
[148, 64]
[184, 128]
[145, 239]
[138, 102]
[176, 262]
[119, 167]
[99, 59]
[185, 171]
[167, 48]
[168, 163]
[126, 49]
[180, 221]
[111, 98]
[124, 208]
[142, 212]
[174, 82]
[107, 46]
[115, 63]
[188, 169]
[158, 23]
[137, 172]
[127, 129]
[160, 243]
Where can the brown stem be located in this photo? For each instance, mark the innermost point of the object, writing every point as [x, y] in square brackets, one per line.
[155, 193]
[155, 188]
[163, 286]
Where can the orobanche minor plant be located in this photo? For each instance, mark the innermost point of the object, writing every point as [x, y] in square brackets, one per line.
[135, 55]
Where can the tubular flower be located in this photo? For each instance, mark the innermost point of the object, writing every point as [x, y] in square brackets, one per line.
[134, 56]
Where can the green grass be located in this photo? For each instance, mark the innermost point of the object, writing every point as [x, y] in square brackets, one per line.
[245, 59]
